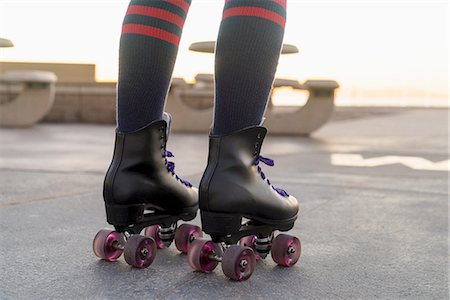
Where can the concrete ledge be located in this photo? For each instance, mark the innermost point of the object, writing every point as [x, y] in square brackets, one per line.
[84, 103]
[26, 97]
[192, 107]
[28, 76]
[96, 103]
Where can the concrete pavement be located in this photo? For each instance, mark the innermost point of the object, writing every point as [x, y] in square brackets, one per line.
[367, 232]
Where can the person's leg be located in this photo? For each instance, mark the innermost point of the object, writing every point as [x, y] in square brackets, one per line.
[234, 185]
[148, 48]
[247, 53]
[141, 189]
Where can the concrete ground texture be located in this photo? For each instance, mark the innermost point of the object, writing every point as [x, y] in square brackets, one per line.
[373, 220]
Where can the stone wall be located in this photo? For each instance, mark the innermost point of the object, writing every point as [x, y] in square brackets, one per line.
[84, 103]
[66, 72]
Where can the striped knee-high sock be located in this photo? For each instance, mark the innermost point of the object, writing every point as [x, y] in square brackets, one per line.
[148, 48]
[247, 53]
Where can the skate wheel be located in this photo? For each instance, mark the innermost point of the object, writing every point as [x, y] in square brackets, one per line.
[185, 235]
[286, 250]
[199, 256]
[249, 241]
[139, 251]
[238, 262]
[104, 242]
[153, 232]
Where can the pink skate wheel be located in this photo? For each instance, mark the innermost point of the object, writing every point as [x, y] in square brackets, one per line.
[185, 235]
[238, 262]
[139, 251]
[105, 244]
[249, 241]
[200, 256]
[286, 250]
[153, 232]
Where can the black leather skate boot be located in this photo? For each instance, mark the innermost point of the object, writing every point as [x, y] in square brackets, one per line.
[234, 188]
[141, 189]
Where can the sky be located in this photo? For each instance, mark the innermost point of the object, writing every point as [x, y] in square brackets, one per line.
[372, 48]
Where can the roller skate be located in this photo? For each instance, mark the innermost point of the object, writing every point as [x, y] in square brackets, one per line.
[143, 193]
[241, 210]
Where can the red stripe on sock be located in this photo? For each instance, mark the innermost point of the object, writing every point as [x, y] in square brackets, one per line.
[180, 3]
[281, 2]
[151, 31]
[254, 12]
[156, 13]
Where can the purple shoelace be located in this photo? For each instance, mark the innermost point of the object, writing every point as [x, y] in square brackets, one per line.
[171, 168]
[270, 163]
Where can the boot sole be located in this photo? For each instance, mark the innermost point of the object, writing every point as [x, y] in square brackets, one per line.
[133, 218]
[228, 228]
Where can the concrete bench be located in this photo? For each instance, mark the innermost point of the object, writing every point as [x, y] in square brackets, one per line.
[25, 97]
[303, 120]
[191, 105]
[5, 43]
[210, 47]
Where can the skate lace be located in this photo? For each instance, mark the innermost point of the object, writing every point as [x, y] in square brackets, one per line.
[170, 165]
[269, 162]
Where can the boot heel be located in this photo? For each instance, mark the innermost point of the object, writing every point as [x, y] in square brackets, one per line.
[123, 215]
[219, 223]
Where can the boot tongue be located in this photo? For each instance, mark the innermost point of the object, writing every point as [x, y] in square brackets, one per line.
[168, 118]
